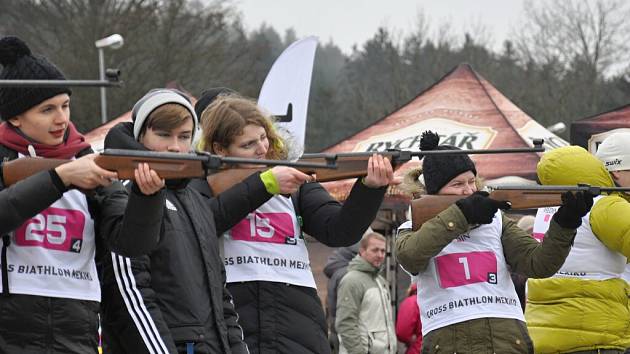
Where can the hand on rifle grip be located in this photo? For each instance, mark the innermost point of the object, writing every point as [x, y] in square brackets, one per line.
[574, 207]
[147, 179]
[289, 179]
[478, 208]
[84, 173]
[379, 172]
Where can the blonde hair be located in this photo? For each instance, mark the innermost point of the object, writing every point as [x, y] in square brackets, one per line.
[365, 240]
[227, 116]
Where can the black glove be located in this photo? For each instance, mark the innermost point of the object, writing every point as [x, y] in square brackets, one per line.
[479, 209]
[574, 207]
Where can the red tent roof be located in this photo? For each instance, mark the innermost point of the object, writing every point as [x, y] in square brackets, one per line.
[590, 131]
[468, 112]
[96, 137]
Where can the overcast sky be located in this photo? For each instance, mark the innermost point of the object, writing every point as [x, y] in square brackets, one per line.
[349, 22]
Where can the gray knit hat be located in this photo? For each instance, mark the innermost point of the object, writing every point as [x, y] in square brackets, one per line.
[156, 98]
[19, 64]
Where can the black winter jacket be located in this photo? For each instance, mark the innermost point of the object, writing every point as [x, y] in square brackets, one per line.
[285, 318]
[175, 296]
[41, 324]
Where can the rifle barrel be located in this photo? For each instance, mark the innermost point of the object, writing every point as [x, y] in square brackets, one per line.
[561, 188]
[396, 153]
[59, 83]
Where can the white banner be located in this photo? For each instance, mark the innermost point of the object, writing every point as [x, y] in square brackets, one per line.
[286, 89]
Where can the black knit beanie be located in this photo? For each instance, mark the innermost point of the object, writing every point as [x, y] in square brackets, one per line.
[208, 96]
[439, 170]
[19, 64]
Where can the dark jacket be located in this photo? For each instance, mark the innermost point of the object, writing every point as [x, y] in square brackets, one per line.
[283, 318]
[176, 295]
[336, 267]
[41, 324]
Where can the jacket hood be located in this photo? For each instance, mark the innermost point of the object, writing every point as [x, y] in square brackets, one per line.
[340, 258]
[121, 137]
[570, 165]
[361, 265]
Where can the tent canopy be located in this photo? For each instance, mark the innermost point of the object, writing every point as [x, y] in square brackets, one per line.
[467, 111]
[591, 131]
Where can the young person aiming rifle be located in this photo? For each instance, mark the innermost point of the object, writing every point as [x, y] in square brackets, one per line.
[50, 286]
[265, 255]
[463, 256]
[583, 308]
[174, 300]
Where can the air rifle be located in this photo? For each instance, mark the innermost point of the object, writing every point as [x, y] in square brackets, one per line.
[520, 197]
[168, 165]
[354, 164]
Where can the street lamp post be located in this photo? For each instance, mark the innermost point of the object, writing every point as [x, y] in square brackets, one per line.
[114, 41]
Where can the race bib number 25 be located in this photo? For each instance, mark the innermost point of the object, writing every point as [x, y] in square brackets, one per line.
[55, 229]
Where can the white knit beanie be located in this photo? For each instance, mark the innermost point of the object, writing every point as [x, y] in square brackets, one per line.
[154, 99]
[614, 152]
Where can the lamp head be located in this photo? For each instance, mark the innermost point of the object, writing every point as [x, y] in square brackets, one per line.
[114, 41]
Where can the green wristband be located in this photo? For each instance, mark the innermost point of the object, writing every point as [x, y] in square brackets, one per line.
[270, 181]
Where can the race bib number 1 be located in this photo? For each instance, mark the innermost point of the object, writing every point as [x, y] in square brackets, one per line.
[457, 269]
[53, 228]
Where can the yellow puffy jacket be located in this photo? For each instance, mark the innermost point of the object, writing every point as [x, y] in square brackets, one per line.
[570, 314]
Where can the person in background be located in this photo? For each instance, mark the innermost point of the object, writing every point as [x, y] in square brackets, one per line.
[207, 97]
[50, 229]
[408, 325]
[584, 308]
[526, 223]
[336, 267]
[174, 299]
[364, 315]
[265, 255]
[463, 257]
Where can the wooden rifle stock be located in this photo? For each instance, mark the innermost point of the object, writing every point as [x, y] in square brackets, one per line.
[167, 168]
[18, 169]
[428, 206]
[520, 197]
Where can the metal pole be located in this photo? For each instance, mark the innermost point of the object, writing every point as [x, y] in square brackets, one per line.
[59, 83]
[101, 68]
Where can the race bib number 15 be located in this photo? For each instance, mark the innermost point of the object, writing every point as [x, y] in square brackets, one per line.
[458, 269]
[53, 228]
[265, 227]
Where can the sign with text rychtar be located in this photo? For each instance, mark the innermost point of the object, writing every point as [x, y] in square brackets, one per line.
[463, 136]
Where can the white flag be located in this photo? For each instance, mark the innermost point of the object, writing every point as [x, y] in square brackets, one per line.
[286, 89]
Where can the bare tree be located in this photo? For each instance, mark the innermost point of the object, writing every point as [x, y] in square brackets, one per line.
[592, 32]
